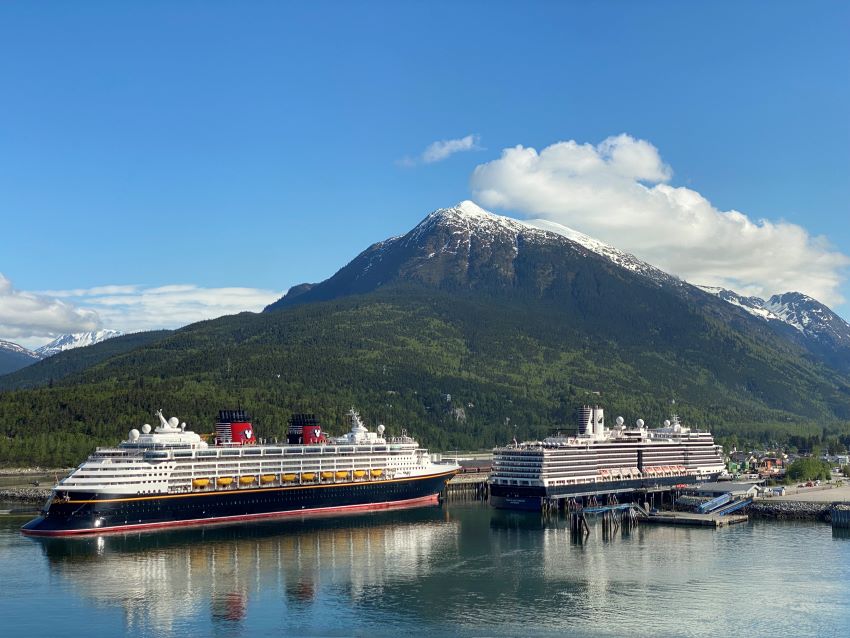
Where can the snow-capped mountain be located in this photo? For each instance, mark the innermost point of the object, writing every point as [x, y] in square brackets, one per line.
[76, 340]
[465, 245]
[14, 357]
[8, 346]
[803, 313]
[810, 317]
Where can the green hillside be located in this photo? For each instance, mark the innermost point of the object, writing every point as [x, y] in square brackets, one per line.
[512, 365]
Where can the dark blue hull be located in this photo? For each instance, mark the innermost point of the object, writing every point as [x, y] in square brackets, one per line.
[531, 498]
[87, 513]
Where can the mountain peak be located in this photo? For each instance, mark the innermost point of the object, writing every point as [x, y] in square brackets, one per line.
[76, 340]
[472, 215]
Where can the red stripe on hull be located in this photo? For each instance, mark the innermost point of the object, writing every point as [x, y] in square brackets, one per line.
[413, 502]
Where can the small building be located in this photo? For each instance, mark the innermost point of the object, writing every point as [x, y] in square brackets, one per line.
[737, 490]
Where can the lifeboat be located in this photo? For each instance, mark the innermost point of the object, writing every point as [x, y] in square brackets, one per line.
[327, 475]
[359, 473]
[225, 481]
[247, 480]
[200, 482]
[268, 478]
[377, 473]
[308, 476]
[289, 478]
[342, 474]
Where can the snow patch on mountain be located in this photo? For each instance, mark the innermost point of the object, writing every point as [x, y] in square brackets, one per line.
[619, 257]
[8, 346]
[76, 340]
[803, 313]
[810, 317]
[753, 305]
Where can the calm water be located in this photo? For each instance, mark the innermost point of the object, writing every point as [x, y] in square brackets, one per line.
[451, 570]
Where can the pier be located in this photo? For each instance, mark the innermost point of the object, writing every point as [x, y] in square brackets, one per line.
[469, 485]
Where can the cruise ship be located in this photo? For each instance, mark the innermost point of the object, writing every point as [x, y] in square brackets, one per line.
[599, 461]
[171, 476]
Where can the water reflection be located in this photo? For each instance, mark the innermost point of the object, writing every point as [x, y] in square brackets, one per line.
[461, 569]
[160, 578]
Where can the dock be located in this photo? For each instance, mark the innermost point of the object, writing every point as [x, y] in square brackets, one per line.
[694, 519]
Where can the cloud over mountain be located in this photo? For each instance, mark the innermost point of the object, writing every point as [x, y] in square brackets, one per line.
[34, 318]
[133, 308]
[24, 315]
[618, 191]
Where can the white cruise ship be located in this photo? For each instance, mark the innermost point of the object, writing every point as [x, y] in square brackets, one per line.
[599, 461]
[170, 476]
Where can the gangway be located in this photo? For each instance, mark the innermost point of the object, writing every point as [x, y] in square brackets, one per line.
[733, 507]
[713, 504]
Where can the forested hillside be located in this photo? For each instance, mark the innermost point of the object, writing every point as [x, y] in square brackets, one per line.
[456, 370]
[468, 331]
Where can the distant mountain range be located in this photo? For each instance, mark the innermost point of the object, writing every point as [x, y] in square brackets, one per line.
[14, 357]
[76, 340]
[518, 323]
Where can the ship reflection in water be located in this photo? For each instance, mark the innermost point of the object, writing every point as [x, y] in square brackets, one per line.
[456, 569]
[165, 580]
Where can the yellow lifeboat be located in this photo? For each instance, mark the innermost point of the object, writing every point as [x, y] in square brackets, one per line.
[359, 473]
[200, 482]
[342, 474]
[289, 478]
[246, 480]
[225, 481]
[268, 478]
[308, 476]
[377, 473]
[327, 475]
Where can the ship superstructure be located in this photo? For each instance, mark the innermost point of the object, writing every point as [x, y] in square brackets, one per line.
[171, 476]
[597, 460]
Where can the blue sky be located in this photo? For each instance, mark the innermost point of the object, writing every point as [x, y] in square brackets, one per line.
[198, 158]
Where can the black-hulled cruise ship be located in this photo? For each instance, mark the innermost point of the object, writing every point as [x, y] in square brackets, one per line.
[598, 460]
[170, 477]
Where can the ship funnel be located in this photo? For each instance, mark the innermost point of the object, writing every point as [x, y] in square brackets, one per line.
[598, 422]
[585, 420]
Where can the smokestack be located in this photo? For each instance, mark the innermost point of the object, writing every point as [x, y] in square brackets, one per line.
[598, 422]
[585, 420]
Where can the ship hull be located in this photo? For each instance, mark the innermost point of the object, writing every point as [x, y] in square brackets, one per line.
[531, 498]
[91, 513]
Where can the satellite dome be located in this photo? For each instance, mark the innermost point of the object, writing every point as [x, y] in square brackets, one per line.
[146, 428]
[134, 434]
[381, 429]
[667, 423]
[639, 423]
[174, 421]
[620, 420]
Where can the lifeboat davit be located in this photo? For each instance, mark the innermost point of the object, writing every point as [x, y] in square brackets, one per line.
[359, 473]
[308, 476]
[342, 474]
[290, 478]
[327, 475]
[225, 481]
[268, 478]
[200, 482]
[377, 473]
[247, 480]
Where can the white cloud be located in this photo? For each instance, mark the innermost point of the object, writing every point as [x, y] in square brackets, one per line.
[27, 315]
[617, 191]
[128, 308]
[442, 149]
